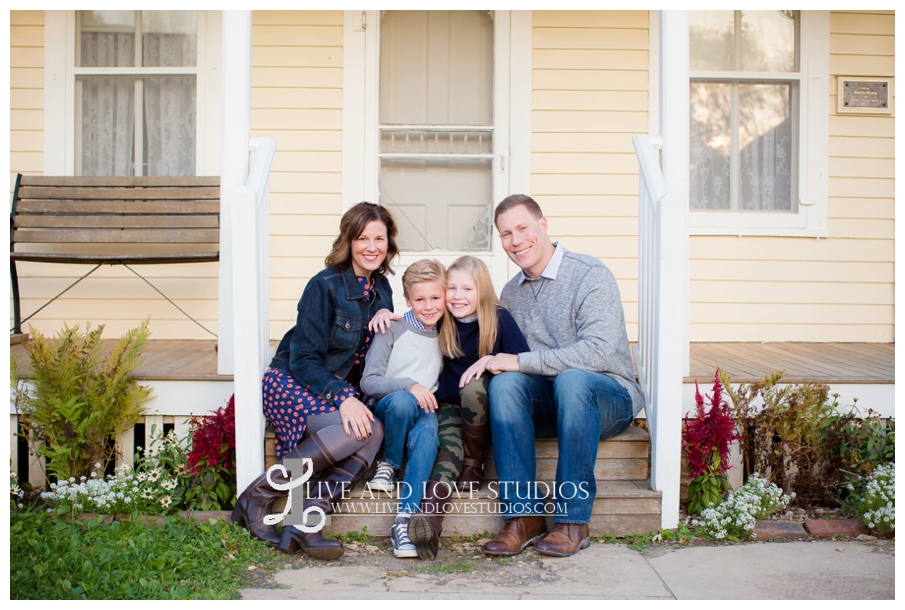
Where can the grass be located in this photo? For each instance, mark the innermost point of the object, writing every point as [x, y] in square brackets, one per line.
[681, 535]
[53, 559]
[362, 537]
[450, 568]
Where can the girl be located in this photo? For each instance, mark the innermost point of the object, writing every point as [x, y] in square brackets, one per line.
[481, 328]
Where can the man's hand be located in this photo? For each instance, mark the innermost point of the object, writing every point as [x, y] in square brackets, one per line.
[503, 362]
[426, 398]
[356, 418]
[475, 370]
[381, 320]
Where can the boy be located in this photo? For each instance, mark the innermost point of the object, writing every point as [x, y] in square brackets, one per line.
[401, 375]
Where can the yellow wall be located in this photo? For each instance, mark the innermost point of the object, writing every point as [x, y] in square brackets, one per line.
[589, 97]
[803, 289]
[26, 96]
[296, 97]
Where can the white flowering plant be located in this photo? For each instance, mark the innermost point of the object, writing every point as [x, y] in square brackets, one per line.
[16, 493]
[872, 499]
[735, 518]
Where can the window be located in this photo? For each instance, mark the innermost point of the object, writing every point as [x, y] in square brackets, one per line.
[135, 93]
[758, 97]
[436, 127]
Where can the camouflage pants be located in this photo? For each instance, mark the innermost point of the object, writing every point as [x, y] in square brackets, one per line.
[474, 410]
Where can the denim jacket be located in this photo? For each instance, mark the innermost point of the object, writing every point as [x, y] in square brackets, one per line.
[333, 315]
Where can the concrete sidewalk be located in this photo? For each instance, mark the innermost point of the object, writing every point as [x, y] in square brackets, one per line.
[775, 570]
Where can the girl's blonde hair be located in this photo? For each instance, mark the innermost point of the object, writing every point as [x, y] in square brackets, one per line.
[486, 311]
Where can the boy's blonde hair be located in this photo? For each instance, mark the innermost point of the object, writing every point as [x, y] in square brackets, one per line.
[486, 311]
[425, 270]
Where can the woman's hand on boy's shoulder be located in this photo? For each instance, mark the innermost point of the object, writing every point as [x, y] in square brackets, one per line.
[381, 320]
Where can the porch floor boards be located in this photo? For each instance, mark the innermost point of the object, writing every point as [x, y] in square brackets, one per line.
[187, 360]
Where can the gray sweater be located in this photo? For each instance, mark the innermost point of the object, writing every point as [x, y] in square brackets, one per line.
[399, 359]
[573, 322]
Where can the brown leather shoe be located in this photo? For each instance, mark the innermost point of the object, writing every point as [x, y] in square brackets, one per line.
[517, 533]
[565, 540]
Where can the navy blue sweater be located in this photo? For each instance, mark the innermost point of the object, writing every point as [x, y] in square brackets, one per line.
[509, 340]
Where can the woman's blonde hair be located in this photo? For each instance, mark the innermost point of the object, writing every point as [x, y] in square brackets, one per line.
[486, 311]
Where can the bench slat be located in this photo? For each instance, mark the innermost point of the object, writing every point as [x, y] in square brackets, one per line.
[116, 236]
[122, 194]
[118, 207]
[133, 259]
[180, 181]
[183, 221]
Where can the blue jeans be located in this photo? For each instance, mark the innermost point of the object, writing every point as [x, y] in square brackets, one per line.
[408, 426]
[579, 408]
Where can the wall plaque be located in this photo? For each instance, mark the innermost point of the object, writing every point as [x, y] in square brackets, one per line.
[862, 95]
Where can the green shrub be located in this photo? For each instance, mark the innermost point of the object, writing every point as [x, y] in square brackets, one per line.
[79, 402]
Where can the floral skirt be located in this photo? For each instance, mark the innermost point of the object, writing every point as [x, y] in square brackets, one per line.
[287, 406]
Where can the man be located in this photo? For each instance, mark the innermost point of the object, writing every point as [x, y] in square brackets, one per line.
[577, 383]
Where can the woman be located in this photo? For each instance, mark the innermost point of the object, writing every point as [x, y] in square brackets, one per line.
[311, 395]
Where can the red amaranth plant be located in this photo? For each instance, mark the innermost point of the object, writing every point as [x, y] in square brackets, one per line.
[706, 441]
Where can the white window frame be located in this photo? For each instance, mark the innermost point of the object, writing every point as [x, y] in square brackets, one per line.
[511, 111]
[60, 101]
[813, 155]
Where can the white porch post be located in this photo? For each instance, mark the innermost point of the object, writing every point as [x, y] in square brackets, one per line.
[235, 133]
[672, 350]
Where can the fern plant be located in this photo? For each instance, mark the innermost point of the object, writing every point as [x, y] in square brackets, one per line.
[77, 401]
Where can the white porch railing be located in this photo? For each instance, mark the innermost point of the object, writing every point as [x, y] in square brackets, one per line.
[250, 240]
[661, 294]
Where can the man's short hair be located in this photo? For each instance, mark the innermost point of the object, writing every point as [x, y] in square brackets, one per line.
[515, 200]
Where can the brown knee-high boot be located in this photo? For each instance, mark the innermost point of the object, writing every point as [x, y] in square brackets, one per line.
[475, 438]
[342, 476]
[426, 525]
[257, 500]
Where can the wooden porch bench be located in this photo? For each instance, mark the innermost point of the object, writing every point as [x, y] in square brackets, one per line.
[112, 220]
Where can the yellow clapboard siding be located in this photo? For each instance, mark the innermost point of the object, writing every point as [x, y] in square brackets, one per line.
[160, 328]
[278, 77]
[611, 248]
[859, 44]
[862, 228]
[26, 78]
[784, 271]
[26, 98]
[31, 141]
[299, 57]
[862, 187]
[312, 118]
[582, 142]
[784, 313]
[298, 182]
[842, 167]
[604, 227]
[588, 19]
[588, 121]
[589, 59]
[860, 23]
[282, 246]
[291, 269]
[307, 161]
[116, 288]
[305, 17]
[296, 35]
[863, 126]
[590, 80]
[273, 97]
[589, 38]
[863, 65]
[729, 248]
[26, 36]
[862, 208]
[204, 311]
[306, 203]
[27, 161]
[304, 225]
[589, 100]
[583, 184]
[853, 146]
[26, 18]
[778, 331]
[302, 140]
[27, 57]
[583, 163]
[791, 291]
[586, 206]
